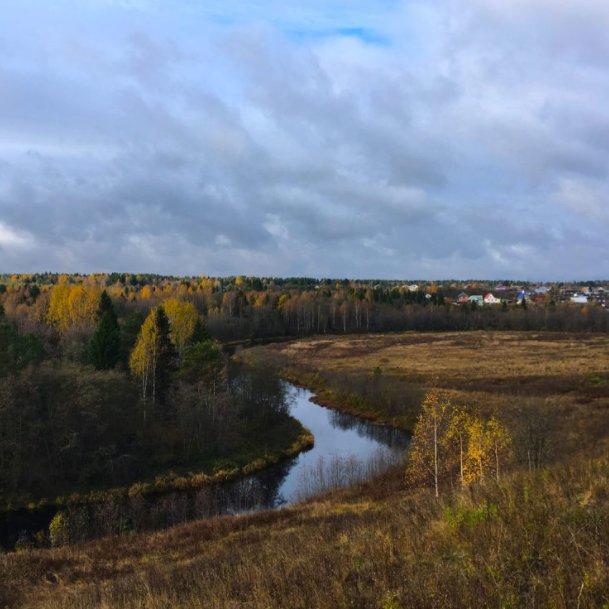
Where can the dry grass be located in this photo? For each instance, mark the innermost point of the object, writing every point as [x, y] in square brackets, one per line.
[457, 360]
[537, 540]
[491, 371]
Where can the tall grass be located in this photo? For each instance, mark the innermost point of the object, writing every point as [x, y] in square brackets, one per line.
[343, 471]
[538, 540]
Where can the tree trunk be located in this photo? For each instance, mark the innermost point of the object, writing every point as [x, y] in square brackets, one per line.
[461, 459]
[435, 454]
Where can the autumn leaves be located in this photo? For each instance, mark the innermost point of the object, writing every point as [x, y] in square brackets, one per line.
[162, 343]
[448, 439]
[71, 306]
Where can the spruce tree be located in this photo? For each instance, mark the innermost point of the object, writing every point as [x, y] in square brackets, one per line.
[105, 344]
[200, 333]
[106, 306]
[167, 356]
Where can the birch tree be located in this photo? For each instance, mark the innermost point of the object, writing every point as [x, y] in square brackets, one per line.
[477, 451]
[183, 319]
[152, 358]
[499, 442]
[458, 433]
[427, 457]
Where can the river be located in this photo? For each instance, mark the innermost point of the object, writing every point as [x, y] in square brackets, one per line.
[347, 450]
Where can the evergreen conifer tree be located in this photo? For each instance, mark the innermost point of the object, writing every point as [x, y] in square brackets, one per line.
[167, 360]
[105, 344]
[200, 334]
[106, 306]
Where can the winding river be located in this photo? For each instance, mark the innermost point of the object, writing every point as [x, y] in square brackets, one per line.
[347, 450]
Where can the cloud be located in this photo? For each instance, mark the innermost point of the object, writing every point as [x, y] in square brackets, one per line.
[400, 139]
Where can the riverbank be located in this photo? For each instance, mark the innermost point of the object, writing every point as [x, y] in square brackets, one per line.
[383, 377]
[350, 403]
[534, 541]
[295, 439]
[350, 451]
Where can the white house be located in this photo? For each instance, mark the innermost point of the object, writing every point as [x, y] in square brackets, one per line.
[490, 299]
[581, 299]
[479, 300]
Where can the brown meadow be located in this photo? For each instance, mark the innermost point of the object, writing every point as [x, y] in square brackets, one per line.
[540, 538]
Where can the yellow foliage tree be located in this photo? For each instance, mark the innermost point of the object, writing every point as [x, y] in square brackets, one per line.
[489, 444]
[83, 303]
[59, 315]
[427, 457]
[458, 433]
[72, 306]
[182, 317]
[143, 355]
[499, 442]
[477, 451]
[151, 347]
[282, 301]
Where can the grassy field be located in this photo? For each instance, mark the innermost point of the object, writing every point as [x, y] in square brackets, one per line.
[484, 362]
[567, 374]
[538, 539]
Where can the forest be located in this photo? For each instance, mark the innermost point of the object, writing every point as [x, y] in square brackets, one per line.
[93, 400]
[245, 308]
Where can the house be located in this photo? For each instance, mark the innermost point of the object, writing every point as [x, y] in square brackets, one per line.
[463, 297]
[581, 299]
[541, 290]
[501, 287]
[479, 300]
[489, 299]
[413, 288]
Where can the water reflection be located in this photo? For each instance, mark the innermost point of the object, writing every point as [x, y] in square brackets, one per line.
[383, 434]
[347, 451]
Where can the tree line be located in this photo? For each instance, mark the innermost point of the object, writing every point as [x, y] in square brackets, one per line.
[63, 313]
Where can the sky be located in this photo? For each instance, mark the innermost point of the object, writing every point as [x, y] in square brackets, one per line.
[335, 138]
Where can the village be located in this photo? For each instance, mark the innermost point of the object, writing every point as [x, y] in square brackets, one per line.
[485, 294]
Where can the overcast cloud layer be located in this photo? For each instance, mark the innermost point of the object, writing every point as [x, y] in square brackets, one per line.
[325, 138]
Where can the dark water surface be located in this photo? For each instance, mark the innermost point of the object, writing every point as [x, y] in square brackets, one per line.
[347, 450]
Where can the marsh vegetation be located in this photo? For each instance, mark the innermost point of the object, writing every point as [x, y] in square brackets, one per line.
[534, 536]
